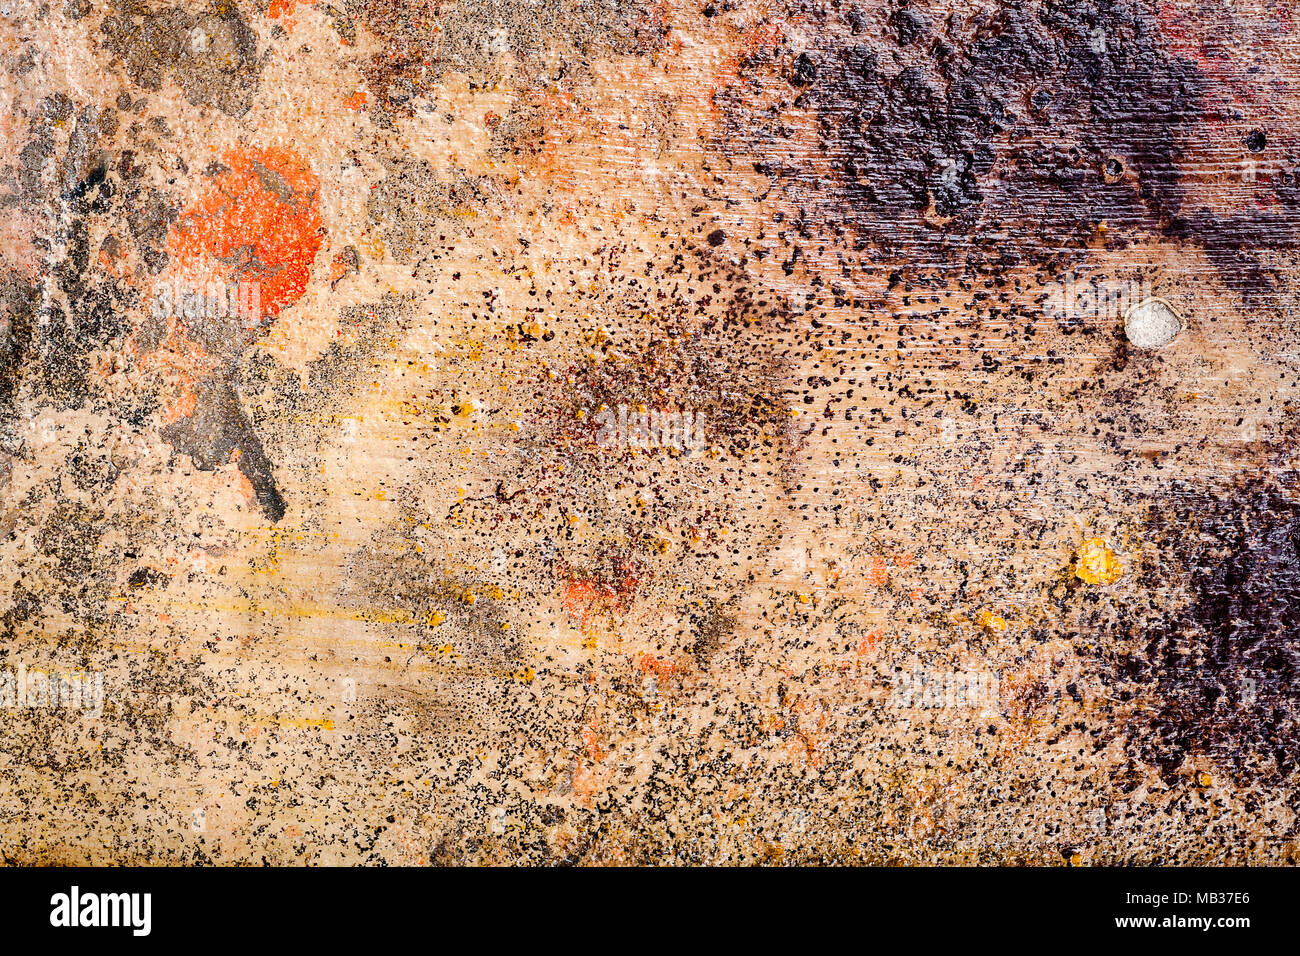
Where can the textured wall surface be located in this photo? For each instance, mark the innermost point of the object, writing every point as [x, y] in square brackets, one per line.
[603, 431]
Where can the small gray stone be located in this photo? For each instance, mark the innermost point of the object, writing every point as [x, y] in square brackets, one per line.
[1152, 324]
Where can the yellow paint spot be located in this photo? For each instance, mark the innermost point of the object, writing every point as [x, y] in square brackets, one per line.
[371, 246]
[1204, 779]
[992, 622]
[1097, 564]
[435, 618]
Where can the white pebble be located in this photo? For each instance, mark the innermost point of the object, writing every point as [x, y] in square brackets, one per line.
[1152, 324]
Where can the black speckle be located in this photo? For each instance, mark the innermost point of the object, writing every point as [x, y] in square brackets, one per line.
[908, 25]
[804, 71]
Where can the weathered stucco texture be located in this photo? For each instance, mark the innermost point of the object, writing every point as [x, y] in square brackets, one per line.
[963, 524]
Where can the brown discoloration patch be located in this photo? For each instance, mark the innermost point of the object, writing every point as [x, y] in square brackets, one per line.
[210, 53]
[1217, 678]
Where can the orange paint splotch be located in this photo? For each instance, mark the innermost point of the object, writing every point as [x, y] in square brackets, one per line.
[580, 599]
[341, 266]
[585, 781]
[559, 115]
[591, 739]
[259, 221]
[283, 9]
[661, 669]
[878, 572]
[869, 643]
[583, 598]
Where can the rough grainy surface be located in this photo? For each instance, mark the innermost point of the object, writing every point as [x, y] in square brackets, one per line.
[327, 332]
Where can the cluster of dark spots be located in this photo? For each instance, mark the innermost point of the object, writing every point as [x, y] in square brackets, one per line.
[91, 470]
[277, 395]
[212, 55]
[69, 536]
[470, 615]
[413, 200]
[20, 62]
[149, 213]
[146, 578]
[73, 563]
[44, 177]
[26, 607]
[1220, 678]
[908, 25]
[343, 16]
[698, 356]
[803, 71]
[18, 306]
[713, 626]
[611, 525]
[691, 370]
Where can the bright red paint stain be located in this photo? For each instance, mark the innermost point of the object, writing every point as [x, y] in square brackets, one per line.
[259, 222]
